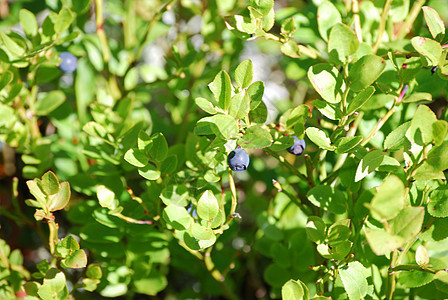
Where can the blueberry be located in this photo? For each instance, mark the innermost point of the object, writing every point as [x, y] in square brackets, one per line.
[193, 213]
[433, 70]
[69, 62]
[238, 160]
[298, 147]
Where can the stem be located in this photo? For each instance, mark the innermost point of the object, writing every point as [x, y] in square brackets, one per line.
[217, 275]
[151, 24]
[285, 163]
[234, 197]
[129, 25]
[132, 220]
[53, 240]
[357, 20]
[382, 24]
[416, 268]
[378, 125]
[391, 276]
[35, 133]
[407, 25]
[309, 170]
[99, 19]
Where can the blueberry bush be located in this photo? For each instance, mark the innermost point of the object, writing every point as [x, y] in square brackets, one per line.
[127, 128]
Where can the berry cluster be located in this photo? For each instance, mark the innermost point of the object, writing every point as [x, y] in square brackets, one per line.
[238, 160]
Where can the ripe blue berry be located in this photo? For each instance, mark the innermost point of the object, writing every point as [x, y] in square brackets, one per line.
[298, 147]
[238, 160]
[68, 63]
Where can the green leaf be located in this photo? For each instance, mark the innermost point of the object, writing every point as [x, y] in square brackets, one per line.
[177, 217]
[11, 45]
[256, 137]
[50, 183]
[414, 97]
[255, 92]
[368, 164]
[226, 126]
[408, 222]
[244, 74]
[49, 103]
[328, 198]
[264, 6]
[291, 49]
[201, 233]
[397, 139]
[136, 157]
[413, 279]
[159, 148]
[48, 25]
[31, 288]
[259, 115]
[439, 131]
[205, 105]
[176, 194]
[325, 80]
[37, 192]
[94, 271]
[28, 22]
[68, 38]
[315, 229]
[319, 138]
[6, 79]
[293, 290]
[54, 282]
[347, 143]
[354, 278]
[106, 197]
[365, 71]
[327, 16]
[208, 206]
[81, 6]
[63, 21]
[389, 199]
[267, 22]
[149, 172]
[67, 246]
[144, 141]
[434, 22]
[329, 110]
[59, 200]
[338, 232]
[429, 48]
[76, 260]
[205, 126]
[15, 259]
[438, 202]
[342, 42]
[288, 26]
[383, 242]
[150, 284]
[239, 105]
[421, 131]
[296, 116]
[360, 99]
[221, 88]
[169, 165]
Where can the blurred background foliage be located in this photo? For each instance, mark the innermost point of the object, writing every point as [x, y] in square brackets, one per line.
[160, 56]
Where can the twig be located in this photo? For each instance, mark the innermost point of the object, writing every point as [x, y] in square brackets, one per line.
[382, 25]
[407, 25]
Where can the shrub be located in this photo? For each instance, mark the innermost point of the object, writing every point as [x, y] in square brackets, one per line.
[126, 160]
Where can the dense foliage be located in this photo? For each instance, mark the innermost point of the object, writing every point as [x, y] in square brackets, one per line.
[188, 149]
